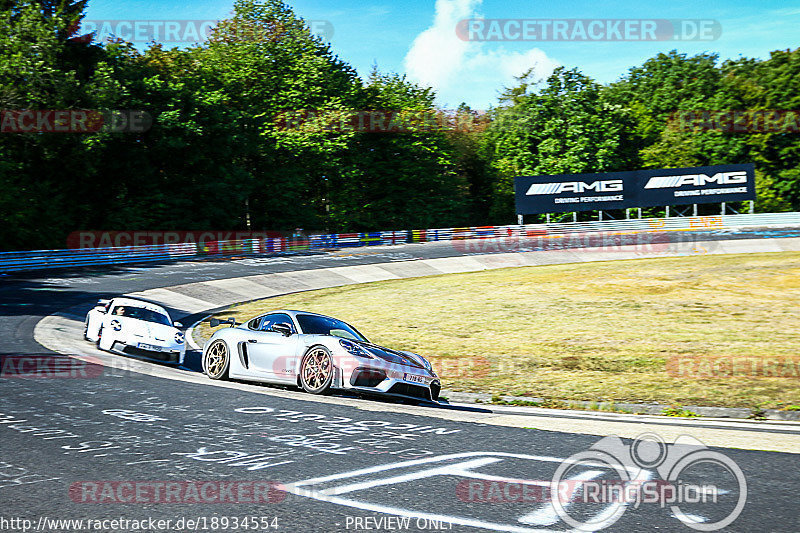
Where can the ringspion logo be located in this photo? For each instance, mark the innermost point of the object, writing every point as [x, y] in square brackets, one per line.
[704, 489]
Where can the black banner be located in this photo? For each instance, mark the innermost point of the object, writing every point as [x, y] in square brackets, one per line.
[639, 188]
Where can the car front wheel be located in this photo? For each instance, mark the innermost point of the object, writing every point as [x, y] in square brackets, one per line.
[316, 370]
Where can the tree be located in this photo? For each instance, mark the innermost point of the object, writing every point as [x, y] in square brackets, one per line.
[566, 127]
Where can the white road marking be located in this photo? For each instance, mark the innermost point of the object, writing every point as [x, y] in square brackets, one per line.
[546, 515]
[467, 461]
[695, 518]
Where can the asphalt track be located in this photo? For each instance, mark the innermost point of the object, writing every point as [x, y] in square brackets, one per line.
[342, 464]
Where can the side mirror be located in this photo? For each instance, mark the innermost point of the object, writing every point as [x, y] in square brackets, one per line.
[214, 322]
[178, 325]
[283, 329]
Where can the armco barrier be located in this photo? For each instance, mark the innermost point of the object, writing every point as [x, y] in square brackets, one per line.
[47, 259]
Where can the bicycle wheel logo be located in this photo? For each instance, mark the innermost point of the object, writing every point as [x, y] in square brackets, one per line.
[704, 489]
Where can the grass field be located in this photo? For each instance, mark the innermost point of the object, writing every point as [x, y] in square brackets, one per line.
[598, 331]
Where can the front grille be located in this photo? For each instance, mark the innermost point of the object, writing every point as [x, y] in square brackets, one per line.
[363, 377]
[414, 391]
[169, 357]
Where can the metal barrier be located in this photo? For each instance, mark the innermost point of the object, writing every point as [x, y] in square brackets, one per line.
[48, 259]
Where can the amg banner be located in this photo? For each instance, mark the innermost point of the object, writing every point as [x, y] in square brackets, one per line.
[639, 188]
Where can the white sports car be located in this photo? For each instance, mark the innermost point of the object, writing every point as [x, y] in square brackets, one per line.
[315, 352]
[134, 327]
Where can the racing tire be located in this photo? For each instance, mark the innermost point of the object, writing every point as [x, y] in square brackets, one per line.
[316, 370]
[217, 360]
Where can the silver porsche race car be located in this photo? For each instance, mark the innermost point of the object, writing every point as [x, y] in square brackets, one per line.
[318, 353]
[135, 327]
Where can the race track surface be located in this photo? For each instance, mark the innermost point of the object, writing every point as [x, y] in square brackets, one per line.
[80, 448]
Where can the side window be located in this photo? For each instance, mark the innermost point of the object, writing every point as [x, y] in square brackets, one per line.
[255, 323]
[267, 321]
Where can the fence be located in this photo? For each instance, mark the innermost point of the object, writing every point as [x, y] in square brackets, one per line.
[50, 259]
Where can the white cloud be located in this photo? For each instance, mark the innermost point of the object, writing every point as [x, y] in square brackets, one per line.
[437, 52]
[503, 65]
[466, 70]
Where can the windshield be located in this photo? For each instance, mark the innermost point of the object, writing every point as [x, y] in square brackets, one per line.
[322, 325]
[140, 313]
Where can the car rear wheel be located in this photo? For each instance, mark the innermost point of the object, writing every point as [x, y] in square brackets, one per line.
[217, 360]
[316, 370]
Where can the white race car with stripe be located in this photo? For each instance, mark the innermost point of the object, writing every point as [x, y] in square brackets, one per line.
[138, 328]
[318, 353]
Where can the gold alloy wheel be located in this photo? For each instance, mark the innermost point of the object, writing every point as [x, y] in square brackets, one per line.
[216, 362]
[317, 370]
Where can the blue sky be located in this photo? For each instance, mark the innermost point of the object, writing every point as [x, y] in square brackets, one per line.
[418, 37]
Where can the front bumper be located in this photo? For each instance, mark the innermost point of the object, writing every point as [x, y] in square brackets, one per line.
[167, 354]
[395, 383]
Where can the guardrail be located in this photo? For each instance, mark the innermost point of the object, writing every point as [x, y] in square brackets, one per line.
[50, 259]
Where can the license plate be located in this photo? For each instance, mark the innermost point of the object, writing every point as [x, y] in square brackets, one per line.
[413, 378]
[150, 347]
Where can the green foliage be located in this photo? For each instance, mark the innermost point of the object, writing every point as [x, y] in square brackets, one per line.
[217, 155]
[567, 127]
[678, 411]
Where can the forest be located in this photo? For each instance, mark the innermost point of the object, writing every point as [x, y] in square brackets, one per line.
[264, 127]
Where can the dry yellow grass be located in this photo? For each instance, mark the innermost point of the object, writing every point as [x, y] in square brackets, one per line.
[599, 331]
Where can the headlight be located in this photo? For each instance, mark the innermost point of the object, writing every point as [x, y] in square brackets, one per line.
[354, 349]
[421, 360]
[116, 325]
[179, 337]
[426, 364]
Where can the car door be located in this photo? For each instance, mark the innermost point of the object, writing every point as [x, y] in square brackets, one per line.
[270, 353]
